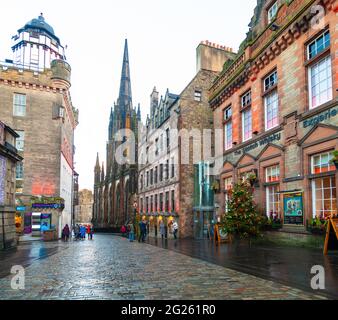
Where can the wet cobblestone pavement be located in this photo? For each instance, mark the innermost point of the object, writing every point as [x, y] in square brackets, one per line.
[113, 268]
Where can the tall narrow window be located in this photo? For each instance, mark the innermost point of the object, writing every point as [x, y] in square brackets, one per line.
[20, 141]
[172, 201]
[271, 101]
[19, 105]
[247, 124]
[161, 172]
[227, 187]
[167, 170]
[19, 171]
[320, 72]
[166, 209]
[227, 117]
[161, 202]
[273, 205]
[172, 167]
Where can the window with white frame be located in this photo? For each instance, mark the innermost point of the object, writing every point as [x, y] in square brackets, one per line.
[19, 171]
[320, 82]
[272, 174]
[271, 110]
[228, 135]
[270, 81]
[324, 193]
[318, 45]
[20, 141]
[321, 163]
[272, 12]
[198, 96]
[19, 104]
[273, 207]
[246, 100]
[247, 124]
[227, 113]
[320, 72]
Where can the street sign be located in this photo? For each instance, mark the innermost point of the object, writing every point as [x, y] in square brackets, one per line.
[331, 240]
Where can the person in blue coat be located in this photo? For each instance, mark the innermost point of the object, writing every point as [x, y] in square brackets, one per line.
[83, 232]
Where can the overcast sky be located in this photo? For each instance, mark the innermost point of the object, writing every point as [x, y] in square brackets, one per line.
[162, 37]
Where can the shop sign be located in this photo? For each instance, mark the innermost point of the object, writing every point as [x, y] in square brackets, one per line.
[21, 208]
[47, 206]
[260, 143]
[321, 117]
[2, 179]
[293, 208]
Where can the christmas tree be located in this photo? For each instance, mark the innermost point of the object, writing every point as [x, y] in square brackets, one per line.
[242, 217]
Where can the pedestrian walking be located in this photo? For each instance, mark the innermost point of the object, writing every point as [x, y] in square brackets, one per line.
[65, 233]
[77, 232]
[88, 231]
[162, 229]
[143, 231]
[91, 232]
[131, 232]
[83, 232]
[175, 228]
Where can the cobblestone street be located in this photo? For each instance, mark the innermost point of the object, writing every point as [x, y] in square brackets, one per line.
[113, 268]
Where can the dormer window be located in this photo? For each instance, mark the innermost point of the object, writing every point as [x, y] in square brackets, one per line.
[272, 12]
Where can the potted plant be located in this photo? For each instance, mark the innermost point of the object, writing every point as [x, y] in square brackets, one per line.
[317, 226]
[335, 158]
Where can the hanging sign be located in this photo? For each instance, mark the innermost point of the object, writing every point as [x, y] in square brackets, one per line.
[331, 240]
[293, 208]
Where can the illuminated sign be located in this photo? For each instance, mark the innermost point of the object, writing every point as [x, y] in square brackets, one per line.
[48, 206]
[21, 208]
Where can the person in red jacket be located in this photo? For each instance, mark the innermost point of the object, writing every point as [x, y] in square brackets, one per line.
[88, 231]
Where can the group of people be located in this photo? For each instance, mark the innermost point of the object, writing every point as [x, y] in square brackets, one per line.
[129, 230]
[80, 232]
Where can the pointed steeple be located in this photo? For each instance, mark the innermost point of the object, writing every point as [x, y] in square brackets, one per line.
[111, 125]
[97, 170]
[138, 112]
[125, 97]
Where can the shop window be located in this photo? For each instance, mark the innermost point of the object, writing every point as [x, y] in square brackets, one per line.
[272, 174]
[324, 193]
[321, 163]
[273, 202]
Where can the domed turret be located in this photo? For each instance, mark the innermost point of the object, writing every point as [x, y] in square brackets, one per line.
[36, 45]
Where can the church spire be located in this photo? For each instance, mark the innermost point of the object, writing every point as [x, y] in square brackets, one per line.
[125, 97]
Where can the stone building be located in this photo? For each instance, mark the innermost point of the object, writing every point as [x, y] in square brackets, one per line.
[115, 185]
[35, 101]
[167, 168]
[8, 160]
[158, 176]
[84, 208]
[277, 106]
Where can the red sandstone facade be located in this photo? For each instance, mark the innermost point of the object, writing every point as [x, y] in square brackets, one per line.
[277, 104]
